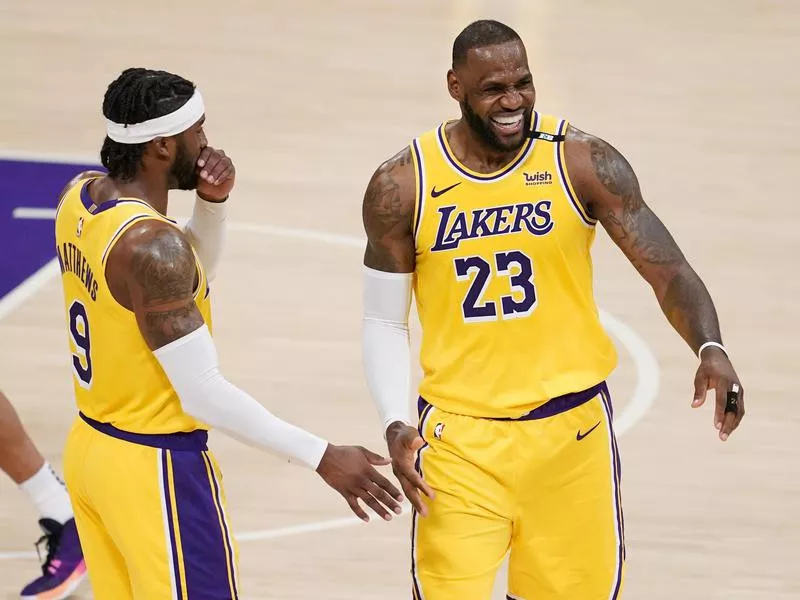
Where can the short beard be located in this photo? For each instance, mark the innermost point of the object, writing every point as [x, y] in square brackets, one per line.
[183, 174]
[485, 133]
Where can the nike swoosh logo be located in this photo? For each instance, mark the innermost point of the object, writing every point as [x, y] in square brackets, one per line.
[580, 436]
[436, 194]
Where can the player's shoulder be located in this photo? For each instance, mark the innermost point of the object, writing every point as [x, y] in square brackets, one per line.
[154, 236]
[580, 144]
[82, 176]
[393, 184]
[150, 247]
[397, 164]
[152, 254]
[390, 198]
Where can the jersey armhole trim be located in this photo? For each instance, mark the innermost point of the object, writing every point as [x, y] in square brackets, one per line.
[419, 180]
[563, 176]
[199, 271]
[123, 228]
[82, 183]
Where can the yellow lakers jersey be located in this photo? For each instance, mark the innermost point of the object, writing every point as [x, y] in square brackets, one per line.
[503, 280]
[117, 379]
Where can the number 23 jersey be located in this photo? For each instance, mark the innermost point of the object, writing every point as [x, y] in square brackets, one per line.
[117, 379]
[503, 279]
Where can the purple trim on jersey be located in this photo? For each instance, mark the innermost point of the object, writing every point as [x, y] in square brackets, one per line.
[121, 231]
[165, 457]
[560, 404]
[95, 209]
[452, 160]
[562, 173]
[421, 187]
[89, 204]
[204, 551]
[550, 408]
[196, 440]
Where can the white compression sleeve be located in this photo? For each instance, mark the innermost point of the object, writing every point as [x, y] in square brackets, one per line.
[191, 365]
[206, 232]
[385, 343]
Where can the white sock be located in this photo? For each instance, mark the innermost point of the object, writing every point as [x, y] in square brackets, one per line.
[48, 494]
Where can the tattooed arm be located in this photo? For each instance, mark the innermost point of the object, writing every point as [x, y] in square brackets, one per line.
[152, 272]
[388, 211]
[389, 261]
[607, 186]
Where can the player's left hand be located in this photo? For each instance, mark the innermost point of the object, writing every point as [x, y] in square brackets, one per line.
[216, 175]
[716, 372]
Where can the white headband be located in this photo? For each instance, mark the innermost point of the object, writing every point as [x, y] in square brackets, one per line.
[171, 124]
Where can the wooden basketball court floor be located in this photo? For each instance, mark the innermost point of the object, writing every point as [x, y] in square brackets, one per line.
[308, 97]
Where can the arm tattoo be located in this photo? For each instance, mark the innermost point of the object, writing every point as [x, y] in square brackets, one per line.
[689, 309]
[651, 249]
[387, 216]
[639, 233]
[164, 271]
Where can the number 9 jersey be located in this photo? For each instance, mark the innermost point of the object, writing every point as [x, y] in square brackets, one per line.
[117, 379]
[503, 279]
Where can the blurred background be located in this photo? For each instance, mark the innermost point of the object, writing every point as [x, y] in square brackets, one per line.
[308, 98]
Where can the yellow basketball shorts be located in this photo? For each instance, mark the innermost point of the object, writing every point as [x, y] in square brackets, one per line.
[150, 511]
[543, 489]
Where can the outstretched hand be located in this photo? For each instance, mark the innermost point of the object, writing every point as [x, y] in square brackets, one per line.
[716, 372]
[349, 470]
[404, 442]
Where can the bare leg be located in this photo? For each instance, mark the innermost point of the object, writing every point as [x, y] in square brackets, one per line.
[64, 568]
[19, 457]
[23, 462]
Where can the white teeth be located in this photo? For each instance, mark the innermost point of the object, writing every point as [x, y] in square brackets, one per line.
[508, 120]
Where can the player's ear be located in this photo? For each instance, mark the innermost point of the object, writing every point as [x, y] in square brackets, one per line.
[162, 147]
[454, 86]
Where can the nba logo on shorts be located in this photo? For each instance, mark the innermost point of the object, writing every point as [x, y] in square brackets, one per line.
[437, 431]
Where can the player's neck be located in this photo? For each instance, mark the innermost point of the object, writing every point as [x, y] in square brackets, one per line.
[473, 153]
[154, 192]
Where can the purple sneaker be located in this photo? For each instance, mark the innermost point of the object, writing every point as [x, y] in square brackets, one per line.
[64, 568]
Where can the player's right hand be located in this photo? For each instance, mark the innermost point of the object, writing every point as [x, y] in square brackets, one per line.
[404, 441]
[217, 174]
[349, 470]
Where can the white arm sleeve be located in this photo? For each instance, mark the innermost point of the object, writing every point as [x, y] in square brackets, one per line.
[191, 365]
[385, 343]
[206, 232]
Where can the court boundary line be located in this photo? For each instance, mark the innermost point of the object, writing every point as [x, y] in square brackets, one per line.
[645, 363]
[46, 157]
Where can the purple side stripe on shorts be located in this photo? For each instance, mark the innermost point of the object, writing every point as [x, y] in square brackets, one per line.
[205, 553]
[165, 458]
[618, 474]
[617, 501]
[424, 411]
[225, 532]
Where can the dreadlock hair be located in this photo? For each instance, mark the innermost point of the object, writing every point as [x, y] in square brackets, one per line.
[479, 34]
[138, 95]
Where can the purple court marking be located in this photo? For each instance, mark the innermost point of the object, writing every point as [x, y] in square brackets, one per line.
[29, 244]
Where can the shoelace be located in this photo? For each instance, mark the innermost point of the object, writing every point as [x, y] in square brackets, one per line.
[50, 540]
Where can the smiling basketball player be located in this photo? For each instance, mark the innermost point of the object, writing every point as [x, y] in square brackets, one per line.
[490, 219]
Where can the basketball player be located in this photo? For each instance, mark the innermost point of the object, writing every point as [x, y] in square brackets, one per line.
[490, 219]
[63, 568]
[147, 493]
